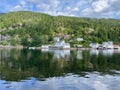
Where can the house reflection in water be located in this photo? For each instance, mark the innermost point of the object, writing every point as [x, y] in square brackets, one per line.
[4, 53]
[94, 52]
[107, 52]
[61, 54]
[58, 53]
[79, 55]
[44, 50]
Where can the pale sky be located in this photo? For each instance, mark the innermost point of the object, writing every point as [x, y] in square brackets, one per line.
[78, 8]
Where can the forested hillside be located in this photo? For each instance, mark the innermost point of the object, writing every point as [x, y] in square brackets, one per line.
[34, 29]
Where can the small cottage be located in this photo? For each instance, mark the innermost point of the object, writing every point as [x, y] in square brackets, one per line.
[60, 45]
[94, 45]
[108, 45]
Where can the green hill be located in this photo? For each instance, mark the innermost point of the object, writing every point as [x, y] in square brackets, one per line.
[34, 29]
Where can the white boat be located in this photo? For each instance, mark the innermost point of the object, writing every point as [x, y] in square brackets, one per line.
[31, 48]
[45, 47]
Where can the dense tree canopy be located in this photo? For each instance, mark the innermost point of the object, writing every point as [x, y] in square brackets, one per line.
[34, 29]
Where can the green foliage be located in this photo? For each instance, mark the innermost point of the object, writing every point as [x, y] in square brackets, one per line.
[35, 29]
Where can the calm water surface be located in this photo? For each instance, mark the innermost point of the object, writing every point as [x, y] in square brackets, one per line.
[59, 69]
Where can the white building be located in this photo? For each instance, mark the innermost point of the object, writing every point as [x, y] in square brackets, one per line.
[56, 39]
[79, 39]
[104, 45]
[94, 45]
[60, 45]
[108, 45]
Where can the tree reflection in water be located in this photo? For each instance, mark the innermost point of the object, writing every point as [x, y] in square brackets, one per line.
[16, 64]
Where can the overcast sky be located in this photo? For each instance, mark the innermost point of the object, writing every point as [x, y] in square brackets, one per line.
[79, 8]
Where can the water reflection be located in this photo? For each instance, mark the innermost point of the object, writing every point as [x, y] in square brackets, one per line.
[58, 69]
[79, 55]
[4, 53]
[58, 53]
[61, 54]
[107, 52]
[73, 82]
[45, 50]
[94, 52]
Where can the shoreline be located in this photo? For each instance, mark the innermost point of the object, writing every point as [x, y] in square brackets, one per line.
[17, 47]
[39, 48]
[21, 47]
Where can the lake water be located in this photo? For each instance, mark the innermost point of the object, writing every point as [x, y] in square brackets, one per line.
[59, 69]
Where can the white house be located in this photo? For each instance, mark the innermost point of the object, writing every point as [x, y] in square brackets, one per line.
[79, 39]
[60, 45]
[56, 39]
[104, 45]
[108, 45]
[94, 45]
